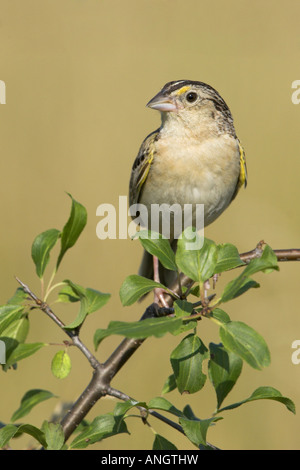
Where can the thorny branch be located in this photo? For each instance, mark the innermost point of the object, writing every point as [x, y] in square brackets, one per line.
[103, 374]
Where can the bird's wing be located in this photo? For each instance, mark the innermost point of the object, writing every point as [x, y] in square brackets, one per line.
[141, 167]
[243, 176]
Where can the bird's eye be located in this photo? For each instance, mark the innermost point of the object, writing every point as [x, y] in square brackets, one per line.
[191, 97]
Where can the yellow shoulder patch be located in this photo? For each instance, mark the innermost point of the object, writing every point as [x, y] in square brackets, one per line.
[243, 168]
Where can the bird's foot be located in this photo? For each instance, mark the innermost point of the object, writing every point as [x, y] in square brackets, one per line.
[159, 297]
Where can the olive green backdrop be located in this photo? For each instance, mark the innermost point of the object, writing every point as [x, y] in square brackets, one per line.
[78, 75]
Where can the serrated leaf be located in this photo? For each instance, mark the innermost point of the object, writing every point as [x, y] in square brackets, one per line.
[246, 343]
[264, 393]
[186, 361]
[72, 229]
[139, 329]
[102, 427]
[54, 435]
[196, 430]
[61, 365]
[198, 264]
[31, 399]
[22, 351]
[41, 247]
[228, 258]
[224, 368]
[159, 246]
[134, 287]
[161, 443]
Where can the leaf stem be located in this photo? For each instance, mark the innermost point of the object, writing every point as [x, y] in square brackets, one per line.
[58, 284]
[49, 283]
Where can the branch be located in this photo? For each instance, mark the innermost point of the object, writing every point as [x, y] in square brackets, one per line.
[71, 333]
[99, 385]
[122, 396]
[291, 254]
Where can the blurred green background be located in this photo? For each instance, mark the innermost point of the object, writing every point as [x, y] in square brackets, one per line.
[78, 75]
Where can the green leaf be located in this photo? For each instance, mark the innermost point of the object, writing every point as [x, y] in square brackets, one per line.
[72, 229]
[228, 258]
[91, 300]
[18, 297]
[161, 403]
[264, 393]
[182, 309]
[160, 443]
[134, 287]
[41, 247]
[224, 368]
[102, 427]
[96, 299]
[159, 246]
[77, 290]
[11, 430]
[242, 340]
[9, 345]
[196, 430]
[29, 400]
[61, 365]
[22, 351]
[237, 287]
[32, 431]
[121, 409]
[186, 361]
[220, 316]
[198, 264]
[67, 294]
[7, 433]
[140, 329]
[8, 314]
[266, 263]
[83, 311]
[188, 413]
[18, 329]
[170, 384]
[54, 435]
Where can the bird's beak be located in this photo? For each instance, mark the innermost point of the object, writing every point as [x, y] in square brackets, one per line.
[162, 102]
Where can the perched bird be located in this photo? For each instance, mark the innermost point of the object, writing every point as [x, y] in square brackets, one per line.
[194, 157]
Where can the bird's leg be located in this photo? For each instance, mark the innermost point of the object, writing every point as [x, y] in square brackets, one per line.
[158, 291]
[215, 278]
[206, 284]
